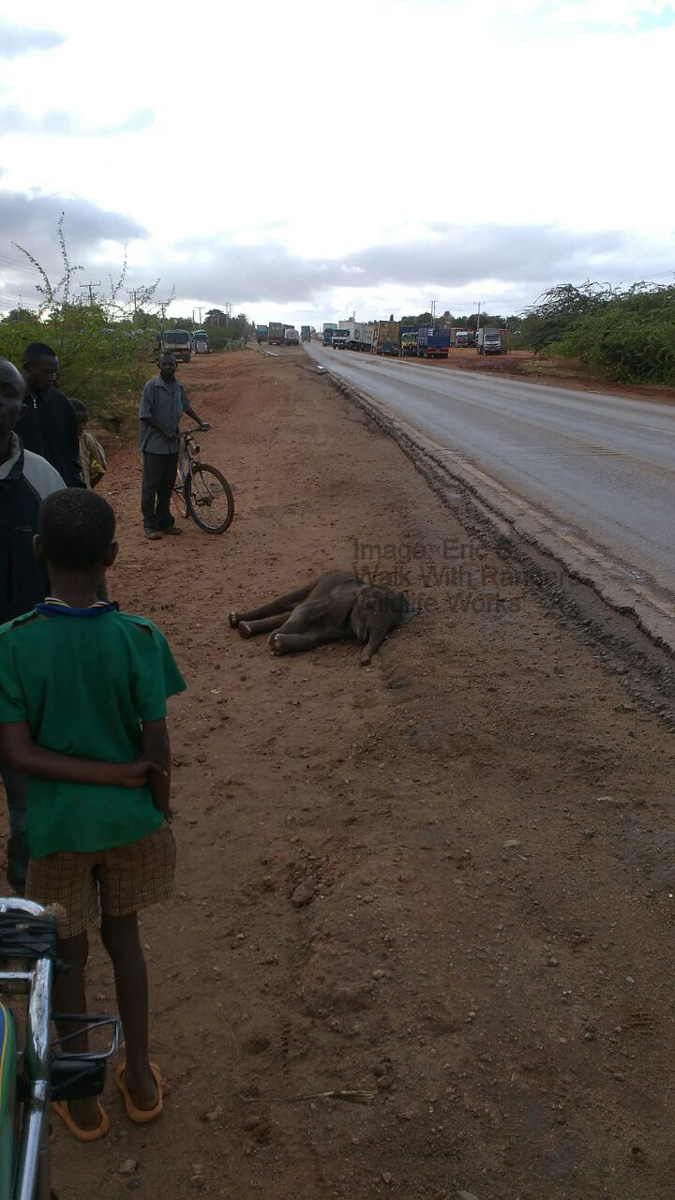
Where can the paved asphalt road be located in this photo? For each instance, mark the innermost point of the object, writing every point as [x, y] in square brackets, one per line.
[603, 465]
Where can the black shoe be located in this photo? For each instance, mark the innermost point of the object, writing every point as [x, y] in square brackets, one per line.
[173, 530]
[153, 535]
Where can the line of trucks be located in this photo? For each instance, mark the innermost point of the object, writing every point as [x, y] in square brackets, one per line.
[278, 334]
[393, 339]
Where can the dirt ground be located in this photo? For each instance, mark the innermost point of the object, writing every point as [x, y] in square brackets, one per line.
[445, 881]
[551, 372]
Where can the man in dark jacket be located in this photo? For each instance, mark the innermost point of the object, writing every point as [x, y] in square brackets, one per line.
[25, 480]
[48, 425]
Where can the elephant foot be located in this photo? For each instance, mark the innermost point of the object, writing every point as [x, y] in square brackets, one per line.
[234, 620]
[245, 630]
[276, 643]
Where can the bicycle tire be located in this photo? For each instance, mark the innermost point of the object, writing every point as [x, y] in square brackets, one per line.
[194, 507]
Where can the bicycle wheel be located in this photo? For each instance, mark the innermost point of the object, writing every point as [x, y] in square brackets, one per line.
[178, 502]
[209, 498]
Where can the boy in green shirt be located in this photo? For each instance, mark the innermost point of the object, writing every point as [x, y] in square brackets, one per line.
[83, 690]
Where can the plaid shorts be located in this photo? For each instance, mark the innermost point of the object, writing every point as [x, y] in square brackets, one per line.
[115, 882]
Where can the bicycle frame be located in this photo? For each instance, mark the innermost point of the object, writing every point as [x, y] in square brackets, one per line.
[44, 1072]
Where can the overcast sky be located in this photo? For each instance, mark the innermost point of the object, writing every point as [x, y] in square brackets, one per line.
[302, 161]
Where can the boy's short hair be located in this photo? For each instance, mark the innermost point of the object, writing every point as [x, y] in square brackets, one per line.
[76, 527]
[36, 352]
[81, 410]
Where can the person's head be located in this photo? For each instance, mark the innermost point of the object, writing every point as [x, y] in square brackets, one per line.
[81, 412]
[167, 366]
[40, 365]
[12, 389]
[76, 533]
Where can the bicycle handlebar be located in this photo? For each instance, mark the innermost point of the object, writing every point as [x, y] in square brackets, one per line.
[195, 429]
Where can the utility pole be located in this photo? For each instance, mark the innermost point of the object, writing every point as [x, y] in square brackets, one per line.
[433, 313]
[90, 287]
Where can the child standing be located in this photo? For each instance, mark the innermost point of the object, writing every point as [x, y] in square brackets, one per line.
[83, 691]
[92, 455]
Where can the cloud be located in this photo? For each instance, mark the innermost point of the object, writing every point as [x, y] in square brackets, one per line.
[16, 40]
[59, 123]
[32, 220]
[450, 258]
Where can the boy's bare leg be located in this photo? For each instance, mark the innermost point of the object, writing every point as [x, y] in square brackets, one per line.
[69, 996]
[120, 936]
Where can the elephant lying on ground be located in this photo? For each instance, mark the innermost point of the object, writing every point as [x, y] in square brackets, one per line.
[336, 606]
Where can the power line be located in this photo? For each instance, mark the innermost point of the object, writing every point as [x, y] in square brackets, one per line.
[90, 287]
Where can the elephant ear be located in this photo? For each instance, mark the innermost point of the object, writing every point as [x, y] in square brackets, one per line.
[341, 601]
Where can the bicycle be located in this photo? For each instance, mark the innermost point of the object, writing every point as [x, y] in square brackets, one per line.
[201, 491]
[38, 1071]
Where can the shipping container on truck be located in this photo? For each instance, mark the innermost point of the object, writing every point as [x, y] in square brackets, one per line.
[360, 334]
[386, 338]
[275, 333]
[306, 333]
[433, 343]
[261, 333]
[461, 337]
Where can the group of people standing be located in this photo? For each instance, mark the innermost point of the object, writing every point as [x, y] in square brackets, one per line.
[84, 748]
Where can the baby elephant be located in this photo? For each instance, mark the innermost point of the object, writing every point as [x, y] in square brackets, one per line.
[336, 606]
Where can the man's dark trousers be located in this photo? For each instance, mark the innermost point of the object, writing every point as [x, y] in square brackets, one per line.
[159, 476]
[16, 787]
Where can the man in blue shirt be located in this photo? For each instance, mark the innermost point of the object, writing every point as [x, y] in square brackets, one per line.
[163, 403]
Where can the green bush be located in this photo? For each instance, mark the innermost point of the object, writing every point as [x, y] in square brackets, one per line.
[627, 336]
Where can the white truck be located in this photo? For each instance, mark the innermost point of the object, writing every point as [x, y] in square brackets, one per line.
[360, 334]
[291, 337]
[489, 341]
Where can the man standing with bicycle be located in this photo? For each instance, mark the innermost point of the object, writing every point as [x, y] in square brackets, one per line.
[163, 403]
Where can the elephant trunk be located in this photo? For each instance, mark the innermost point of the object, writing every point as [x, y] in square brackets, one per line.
[375, 640]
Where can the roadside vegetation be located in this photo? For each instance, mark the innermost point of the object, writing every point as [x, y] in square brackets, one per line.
[107, 346]
[624, 335]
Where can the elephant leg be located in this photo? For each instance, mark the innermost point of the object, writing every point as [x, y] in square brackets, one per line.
[292, 643]
[249, 629]
[284, 604]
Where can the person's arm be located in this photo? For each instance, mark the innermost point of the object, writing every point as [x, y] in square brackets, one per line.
[187, 408]
[20, 751]
[72, 436]
[157, 748]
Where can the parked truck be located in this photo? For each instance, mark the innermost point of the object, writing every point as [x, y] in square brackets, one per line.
[433, 343]
[201, 342]
[261, 333]
[328, 331]
[461, 337]
[340, 339]
[409, 344]
[177, 342]
[275, 333]
[306, 333]
[386, 338]
[360, 334]
[489, 341]
[291, 336]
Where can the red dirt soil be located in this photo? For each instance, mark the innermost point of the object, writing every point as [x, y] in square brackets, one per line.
[480, 825]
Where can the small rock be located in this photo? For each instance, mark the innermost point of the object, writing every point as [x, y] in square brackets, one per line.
[384, 1082]
[250, 1123]
[128, 1166]
[466, 1196]
[552, 962]
[378, 973]
[589, 833]
[214, 1115]
[303, 894]
[387, 1177]
[511, 844]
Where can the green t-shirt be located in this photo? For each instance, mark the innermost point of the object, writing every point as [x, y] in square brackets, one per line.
[84, 684]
